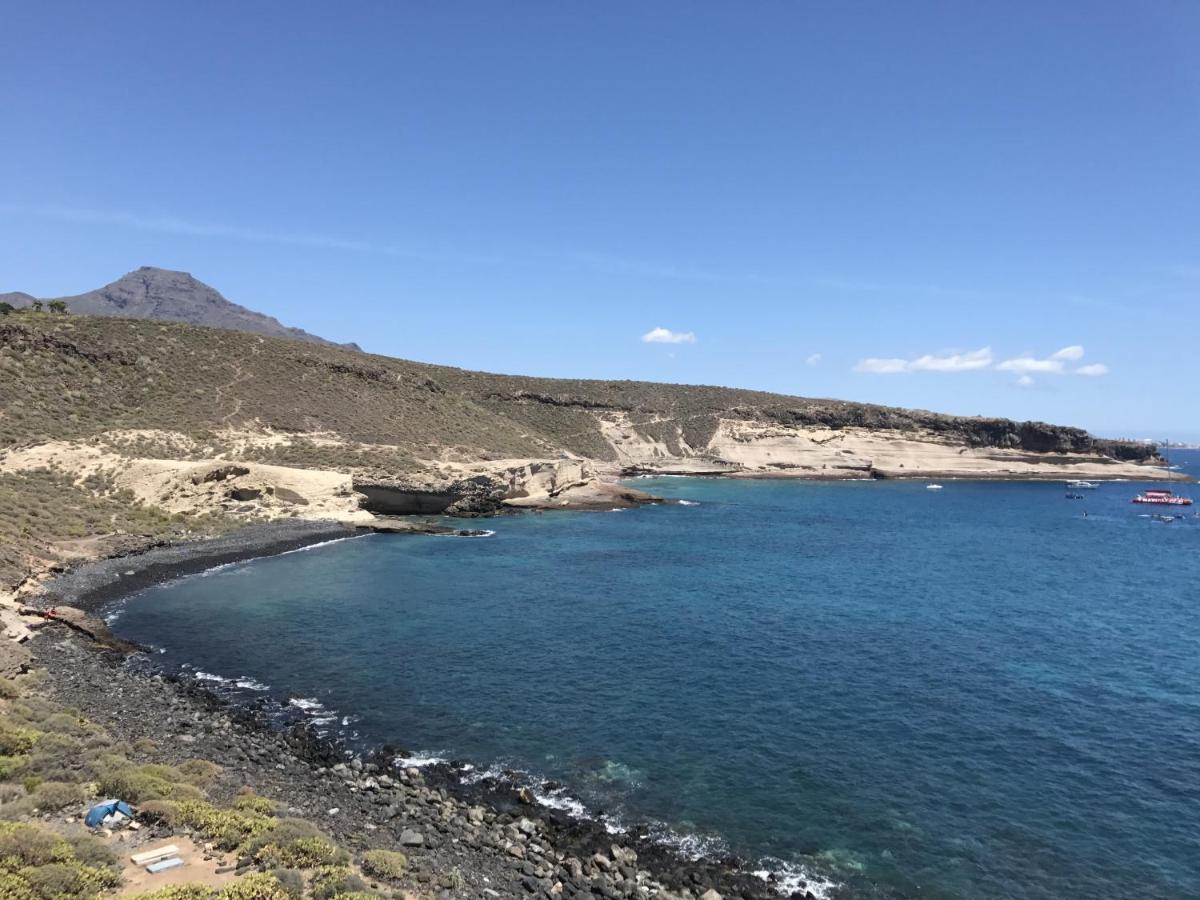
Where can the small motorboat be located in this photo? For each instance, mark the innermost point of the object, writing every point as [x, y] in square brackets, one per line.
[1161, 498]
[933, 487]
[1158, 517]
[1082, 485]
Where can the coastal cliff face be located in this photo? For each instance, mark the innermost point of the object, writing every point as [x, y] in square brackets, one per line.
[134, 417]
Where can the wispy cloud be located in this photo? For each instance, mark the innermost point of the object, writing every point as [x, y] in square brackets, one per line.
[813, 360]
[667, 336]
[1055, 364]
[1027, 364]
[862, 286]
[953, 362]
[320, 241]
[1070, 354]
[172, 225]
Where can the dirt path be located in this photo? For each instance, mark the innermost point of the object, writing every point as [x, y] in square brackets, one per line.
[240, 375]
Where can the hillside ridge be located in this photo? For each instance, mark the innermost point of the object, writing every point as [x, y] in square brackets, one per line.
[115, 431]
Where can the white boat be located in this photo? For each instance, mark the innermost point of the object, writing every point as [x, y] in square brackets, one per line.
[1083, 485]
[933, 487]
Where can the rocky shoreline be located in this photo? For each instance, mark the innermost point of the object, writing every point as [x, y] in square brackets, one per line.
[480, 838]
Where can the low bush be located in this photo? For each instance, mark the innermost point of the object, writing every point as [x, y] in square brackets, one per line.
[294, 844]
[199, 772]
[177, 892]
[291, 881]
[258, 886]
[335, 881]
[51, 796]
[252, 803]
[160, 812]
[226, 828]
[16, 740]
[92, 852]
[137, 784]
[37, 864]
[29, 845]
[388, 865]
[59, 881]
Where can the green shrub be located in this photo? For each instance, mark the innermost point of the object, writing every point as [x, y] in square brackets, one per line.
[295, 844]
[93, 852]
[253, 803]
[227, 828]
[15, 739]
[11, 765]
[291, 881]
[30, 845]
[136, 784]
[59, 881]
[258, 886]
[333, 881]
[199, 771]
[51, 796]
[388, 865]
[39, 864]
[165, 812]
[177, 892]
[14, 887]
[9, 689]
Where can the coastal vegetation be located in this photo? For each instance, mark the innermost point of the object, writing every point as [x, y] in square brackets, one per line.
[53, 761]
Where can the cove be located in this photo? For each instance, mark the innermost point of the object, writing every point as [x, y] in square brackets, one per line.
[972, 692]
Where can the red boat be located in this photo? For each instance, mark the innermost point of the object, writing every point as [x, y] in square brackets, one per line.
[1162, 498]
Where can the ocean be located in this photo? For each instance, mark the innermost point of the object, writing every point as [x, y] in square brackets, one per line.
[987, 690]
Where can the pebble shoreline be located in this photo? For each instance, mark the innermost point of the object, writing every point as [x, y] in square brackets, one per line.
[484, 839]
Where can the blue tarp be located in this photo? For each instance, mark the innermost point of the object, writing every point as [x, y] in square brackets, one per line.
[105, 808]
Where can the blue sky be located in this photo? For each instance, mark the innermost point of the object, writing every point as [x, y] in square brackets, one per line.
[889, 202]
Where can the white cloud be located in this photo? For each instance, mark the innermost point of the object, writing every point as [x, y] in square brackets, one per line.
[1069, 354]
[667, 336]
[814, 360]
[1029, 364]
[877, 366]
[955, 362]
[1054, 364]
[1024, 381]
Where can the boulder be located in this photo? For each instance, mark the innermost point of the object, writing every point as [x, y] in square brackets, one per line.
[410, 837]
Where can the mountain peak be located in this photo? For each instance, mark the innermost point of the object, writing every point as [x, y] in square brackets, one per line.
[149, 292]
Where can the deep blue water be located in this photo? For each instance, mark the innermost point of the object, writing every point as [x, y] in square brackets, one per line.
[973, 692]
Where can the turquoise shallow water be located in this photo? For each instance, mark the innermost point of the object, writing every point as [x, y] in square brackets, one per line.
[973, 692]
